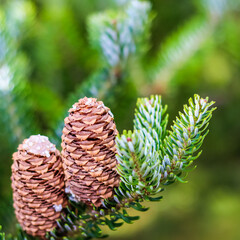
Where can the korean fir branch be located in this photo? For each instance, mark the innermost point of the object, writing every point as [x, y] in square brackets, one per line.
[116, 34]
[181, 147]
[179, 48]
[147, 160]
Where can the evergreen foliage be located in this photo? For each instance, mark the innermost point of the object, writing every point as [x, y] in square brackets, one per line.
[150, 157]
[117, 34]
[188, 39]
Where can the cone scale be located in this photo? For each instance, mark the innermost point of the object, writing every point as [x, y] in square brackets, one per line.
[38, 185]
[88, 152]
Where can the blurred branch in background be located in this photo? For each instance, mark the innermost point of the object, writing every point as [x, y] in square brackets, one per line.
[187, 40]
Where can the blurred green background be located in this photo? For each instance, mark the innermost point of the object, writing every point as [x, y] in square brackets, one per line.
[53, 58]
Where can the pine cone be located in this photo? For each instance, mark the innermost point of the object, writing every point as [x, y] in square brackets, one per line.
[88, 144]
[38, 185]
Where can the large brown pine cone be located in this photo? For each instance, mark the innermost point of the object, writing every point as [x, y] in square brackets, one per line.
[88, 152]
[38, 185]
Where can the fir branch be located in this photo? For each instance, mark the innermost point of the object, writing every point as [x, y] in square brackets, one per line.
[144, 164]
[188, 39]
[181, 146]
[138, 166]
[179, 48]
[138, 151]
[116, 34]
[147, 160]
[136, 184]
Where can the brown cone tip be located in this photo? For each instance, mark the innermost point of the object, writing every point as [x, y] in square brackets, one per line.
[88, 152]
[38, 185]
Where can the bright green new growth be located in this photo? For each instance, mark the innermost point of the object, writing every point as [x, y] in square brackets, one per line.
[147, 159]
[180, 147]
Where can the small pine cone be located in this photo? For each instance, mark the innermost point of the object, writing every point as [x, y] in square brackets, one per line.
[38, 185]
[88, 152]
